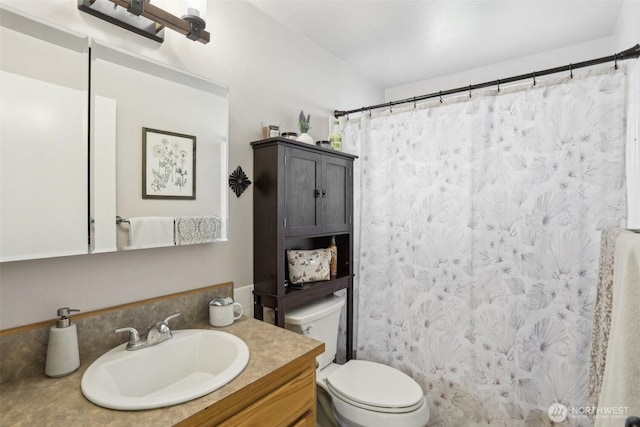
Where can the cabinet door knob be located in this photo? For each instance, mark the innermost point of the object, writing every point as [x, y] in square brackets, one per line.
[324, 193]
[316, 193]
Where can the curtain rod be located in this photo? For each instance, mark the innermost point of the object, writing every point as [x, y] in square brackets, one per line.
[633, 52]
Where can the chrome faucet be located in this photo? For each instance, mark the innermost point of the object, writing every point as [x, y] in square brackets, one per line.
[157, 333]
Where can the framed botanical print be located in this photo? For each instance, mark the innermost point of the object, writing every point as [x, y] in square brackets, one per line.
[168, 165]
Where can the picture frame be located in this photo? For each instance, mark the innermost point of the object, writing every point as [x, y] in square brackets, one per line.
[168, 165]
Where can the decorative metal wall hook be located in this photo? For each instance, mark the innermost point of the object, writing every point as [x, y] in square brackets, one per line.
[534, 78]
[571, 70]
[238, 181]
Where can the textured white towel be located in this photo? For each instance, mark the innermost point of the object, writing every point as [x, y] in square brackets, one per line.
[621, 380]
[151, 231]
[602, 314]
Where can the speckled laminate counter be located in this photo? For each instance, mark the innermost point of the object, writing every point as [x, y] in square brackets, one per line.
[42, 401]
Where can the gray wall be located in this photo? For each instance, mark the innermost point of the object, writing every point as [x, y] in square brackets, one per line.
[272, 73]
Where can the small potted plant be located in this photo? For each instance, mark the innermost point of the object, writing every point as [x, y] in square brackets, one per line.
[304, 128]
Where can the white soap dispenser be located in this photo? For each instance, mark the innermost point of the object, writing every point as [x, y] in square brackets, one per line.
[63, 356]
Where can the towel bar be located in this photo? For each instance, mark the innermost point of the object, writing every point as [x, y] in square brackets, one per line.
[120, 220]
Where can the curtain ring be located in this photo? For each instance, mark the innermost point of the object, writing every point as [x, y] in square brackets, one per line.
[469, 91]
[498, 84]
[571, 70]
[615, 59]
[440, 97]
[390, 108]
[369, 112]
[534, 78]
[414, 103]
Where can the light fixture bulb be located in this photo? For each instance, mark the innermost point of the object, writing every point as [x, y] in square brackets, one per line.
[195, 17]
[197, 8]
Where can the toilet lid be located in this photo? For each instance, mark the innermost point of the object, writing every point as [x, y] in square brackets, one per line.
[376, 387]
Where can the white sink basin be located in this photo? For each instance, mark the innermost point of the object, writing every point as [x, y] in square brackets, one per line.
[193, 363]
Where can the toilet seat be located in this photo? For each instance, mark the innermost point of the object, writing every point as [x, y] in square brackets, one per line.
[375, 387]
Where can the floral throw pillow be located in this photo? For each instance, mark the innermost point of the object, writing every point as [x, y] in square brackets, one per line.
[308, 266]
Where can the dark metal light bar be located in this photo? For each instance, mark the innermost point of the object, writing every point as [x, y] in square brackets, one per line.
[143, 18]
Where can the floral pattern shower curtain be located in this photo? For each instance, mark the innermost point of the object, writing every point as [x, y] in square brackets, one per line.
[479, 237]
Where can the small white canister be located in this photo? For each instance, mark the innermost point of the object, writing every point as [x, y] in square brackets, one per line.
[222, 311]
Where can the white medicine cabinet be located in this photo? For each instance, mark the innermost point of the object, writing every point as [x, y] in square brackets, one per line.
[72, 116]
[43, 140]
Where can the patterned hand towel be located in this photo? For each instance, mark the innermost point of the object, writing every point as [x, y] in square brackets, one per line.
[621, 379]
[192, 230]
[602, 314]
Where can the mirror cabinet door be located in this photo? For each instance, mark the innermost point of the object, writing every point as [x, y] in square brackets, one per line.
[71, 163]
[159, 136]
[43, 140]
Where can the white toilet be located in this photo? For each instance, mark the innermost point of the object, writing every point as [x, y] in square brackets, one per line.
[361, 393]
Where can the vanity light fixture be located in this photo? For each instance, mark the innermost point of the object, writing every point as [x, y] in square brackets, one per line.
[142, 17]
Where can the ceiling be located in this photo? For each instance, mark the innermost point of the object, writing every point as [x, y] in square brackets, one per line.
[396, 42]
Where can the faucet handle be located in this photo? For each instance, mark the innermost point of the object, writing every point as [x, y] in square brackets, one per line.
[163, 327]
[173, 316]
[134, 336]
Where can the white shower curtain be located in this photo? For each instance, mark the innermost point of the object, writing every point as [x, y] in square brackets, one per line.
[477, 257]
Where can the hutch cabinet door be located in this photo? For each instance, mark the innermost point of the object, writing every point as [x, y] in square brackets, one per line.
[302, 179]
[337, 189]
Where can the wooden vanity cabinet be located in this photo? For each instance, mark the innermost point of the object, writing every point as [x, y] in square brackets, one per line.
[284, 398]
[302, 196]
[292, 404]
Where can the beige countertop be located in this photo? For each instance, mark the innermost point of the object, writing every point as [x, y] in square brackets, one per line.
[44, 401]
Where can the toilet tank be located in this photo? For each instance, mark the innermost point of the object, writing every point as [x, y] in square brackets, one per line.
[320, 321]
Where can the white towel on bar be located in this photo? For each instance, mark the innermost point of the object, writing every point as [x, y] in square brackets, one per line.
[621, 379]
[151, 231]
